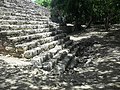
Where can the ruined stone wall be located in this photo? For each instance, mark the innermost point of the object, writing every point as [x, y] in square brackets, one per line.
[27, 32]
[25, 4]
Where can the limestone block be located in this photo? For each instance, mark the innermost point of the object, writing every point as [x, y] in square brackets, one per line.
[63, 64]
[61, 41]
[54, 62]
[54, 33]
[36, 51]
[47, 66]
[49, 39]
[67, 38]
[28, 54]
[65, 60]
[55, 49]
[49, 56]
[60, 68]
[61, 54]
[29, 37]
[37, 61]
[44, 56]
[41, 58]
[31, 53]
[73, 62]
[26, 46]
[67, 43]
[10, 49]
[21, 49]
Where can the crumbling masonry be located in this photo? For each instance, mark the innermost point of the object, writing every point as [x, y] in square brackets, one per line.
[27, 32]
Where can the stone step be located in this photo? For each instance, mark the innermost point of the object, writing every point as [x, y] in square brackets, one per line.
[19, 16]
[29, 41]
[63, 64]
[32, 52]
[21, 22]
[6, 7]
[20, 13]
[12, 33]
[67, 43]
[45, 56]
[21, 10]
[59, 59]
[21, 27]
[27, 9]
[29, 45]
[50, 64]
[29, 37]
[73, 46]
[22, 17]
[39, 49]
[75, 50]
[31, 6]
[73, 63]
[35, 51]
[8, 17]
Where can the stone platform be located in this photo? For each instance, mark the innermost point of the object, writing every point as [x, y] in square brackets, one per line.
[27, 33]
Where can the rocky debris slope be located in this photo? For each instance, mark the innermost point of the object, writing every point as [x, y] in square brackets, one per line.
[55, 61]
[97, 68]
[28, 34]
[99, 63]
[20, 78]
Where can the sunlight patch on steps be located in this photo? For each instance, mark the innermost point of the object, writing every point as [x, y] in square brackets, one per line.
[105, 72]
[118, 62]
[82, 87]
[97, 33]
[15, 61]
[88, 35]
[78, 38]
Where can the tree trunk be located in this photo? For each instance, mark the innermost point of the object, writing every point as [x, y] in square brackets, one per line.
[89, 23]
[107, 23]
[77, 26]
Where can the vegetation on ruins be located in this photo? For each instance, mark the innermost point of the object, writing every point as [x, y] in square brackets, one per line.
[85, 12]
[39, 54]
[45, 3]
[89, 11]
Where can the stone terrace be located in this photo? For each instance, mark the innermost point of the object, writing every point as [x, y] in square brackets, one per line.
[27, 33]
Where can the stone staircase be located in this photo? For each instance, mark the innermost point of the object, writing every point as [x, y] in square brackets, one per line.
[27, 32]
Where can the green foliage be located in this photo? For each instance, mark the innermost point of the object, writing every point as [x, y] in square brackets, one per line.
[74, 11]
[84, 11]
[104, 8]
[107, 11]
[45, 3]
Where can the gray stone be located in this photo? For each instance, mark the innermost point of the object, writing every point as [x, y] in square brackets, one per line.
[47, 66]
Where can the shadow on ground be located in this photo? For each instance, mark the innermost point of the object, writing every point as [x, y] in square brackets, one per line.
[98, 67]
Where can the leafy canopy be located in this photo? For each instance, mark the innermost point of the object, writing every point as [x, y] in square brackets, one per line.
[45, 3]
[84, 11]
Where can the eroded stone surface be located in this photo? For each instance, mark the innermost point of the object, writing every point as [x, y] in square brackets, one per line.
[89, 61]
